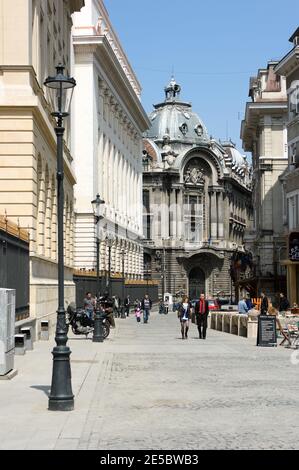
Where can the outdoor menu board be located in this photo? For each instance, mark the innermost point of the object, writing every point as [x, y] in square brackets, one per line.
[266, 332]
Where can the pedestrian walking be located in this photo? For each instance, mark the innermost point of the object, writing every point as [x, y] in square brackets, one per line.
[116, 306]
[161, 307]
[184, 315]
[166, 306]
[138, 313]
[264, 304]
[146, 306]
[242, 306]
[127, 305]
[89, 304]
[201, 314]
[284, 304]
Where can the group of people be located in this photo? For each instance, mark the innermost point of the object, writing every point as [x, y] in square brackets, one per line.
[201, 311]
[91, 303]
[279, 304]
[143, 306]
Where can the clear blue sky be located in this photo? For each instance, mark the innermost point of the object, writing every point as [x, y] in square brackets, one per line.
[214, 46]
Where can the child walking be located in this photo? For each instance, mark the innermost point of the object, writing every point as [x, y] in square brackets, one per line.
[138, 313]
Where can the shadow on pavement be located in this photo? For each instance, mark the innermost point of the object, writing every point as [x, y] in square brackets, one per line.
[43, 388]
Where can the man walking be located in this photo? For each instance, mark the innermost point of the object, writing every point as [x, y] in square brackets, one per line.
[202, 312]
[146, 306]
[264, 304]
[127, 305]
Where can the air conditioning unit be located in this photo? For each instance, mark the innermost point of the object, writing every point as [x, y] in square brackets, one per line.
[7, 329]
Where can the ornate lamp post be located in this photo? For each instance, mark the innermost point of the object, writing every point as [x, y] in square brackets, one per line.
[109, 242]
[98, 206]
[61, 396]
[123, 252]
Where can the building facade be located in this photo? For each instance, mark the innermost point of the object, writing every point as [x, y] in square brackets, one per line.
[264, 134]
[32, 42]
[197, 201]
[109, 121]
[289, 67]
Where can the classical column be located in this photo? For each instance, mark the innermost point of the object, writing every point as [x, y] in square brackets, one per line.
[179, 214]
[292, 283]
[213, 214]
[220, 215]
[173, 213]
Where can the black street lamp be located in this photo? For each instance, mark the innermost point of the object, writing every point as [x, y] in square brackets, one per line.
[98, 206]
[123, 252]
[109, 242]
[61, 396]
[98, 211]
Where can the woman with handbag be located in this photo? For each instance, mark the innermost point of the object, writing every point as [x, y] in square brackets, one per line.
[184, 314]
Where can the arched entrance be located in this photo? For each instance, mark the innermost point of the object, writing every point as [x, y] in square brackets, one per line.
[197, 283]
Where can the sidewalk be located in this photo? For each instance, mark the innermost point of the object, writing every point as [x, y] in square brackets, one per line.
[145, 388]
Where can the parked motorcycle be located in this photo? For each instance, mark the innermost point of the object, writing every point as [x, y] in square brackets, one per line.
[81, 324]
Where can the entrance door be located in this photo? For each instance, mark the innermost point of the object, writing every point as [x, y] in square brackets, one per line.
[197, 283]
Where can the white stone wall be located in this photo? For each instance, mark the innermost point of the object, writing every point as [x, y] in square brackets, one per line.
[32, 42]
[108, 122]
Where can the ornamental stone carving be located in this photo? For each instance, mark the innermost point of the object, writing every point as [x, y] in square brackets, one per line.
[194, 176]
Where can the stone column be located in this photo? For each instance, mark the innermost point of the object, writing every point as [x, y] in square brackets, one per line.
[221, 215]
[213, 214]
[164, 215]
[292, 283]
[173, 213]
[180, 215]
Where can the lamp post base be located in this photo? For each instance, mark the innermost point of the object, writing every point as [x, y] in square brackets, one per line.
[61, 405]
[61, 397]
[98, 333]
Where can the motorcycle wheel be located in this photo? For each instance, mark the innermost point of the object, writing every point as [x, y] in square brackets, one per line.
[106, 330]
[75, 331]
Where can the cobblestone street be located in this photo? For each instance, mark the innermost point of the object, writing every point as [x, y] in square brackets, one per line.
[145, 388]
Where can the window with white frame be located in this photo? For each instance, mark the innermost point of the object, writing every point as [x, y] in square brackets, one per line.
[193, 218]
[294, 100]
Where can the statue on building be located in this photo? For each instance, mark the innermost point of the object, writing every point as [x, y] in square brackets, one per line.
[168, 154]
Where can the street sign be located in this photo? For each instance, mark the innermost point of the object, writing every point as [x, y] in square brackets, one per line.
[266, 333]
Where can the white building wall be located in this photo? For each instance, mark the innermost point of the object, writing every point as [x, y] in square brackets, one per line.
[107, 145]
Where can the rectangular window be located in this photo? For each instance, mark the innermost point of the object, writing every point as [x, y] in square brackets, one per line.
[146, 215]
[193, 218]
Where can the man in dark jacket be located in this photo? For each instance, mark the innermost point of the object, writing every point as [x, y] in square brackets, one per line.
[284, 304]
[201, 313]
[127, 305]
[146, 306]
[264, 304]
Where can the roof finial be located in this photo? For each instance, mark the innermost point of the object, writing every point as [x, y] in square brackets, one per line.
[172, 90]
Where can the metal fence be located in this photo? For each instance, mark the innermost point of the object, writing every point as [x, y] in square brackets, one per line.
[135, 289]
[14, 264]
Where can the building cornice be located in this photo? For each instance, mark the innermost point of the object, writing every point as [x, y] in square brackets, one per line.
[100, 47]
[76, 5]
[254, 111]
[288, 63]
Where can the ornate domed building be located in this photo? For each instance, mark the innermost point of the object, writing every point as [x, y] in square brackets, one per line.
[196, 198]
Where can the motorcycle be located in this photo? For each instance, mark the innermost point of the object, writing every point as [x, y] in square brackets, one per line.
[81, 324]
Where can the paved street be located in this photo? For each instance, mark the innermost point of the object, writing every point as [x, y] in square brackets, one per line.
[145, 388]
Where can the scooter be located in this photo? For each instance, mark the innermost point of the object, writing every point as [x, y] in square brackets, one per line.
[81, 324]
